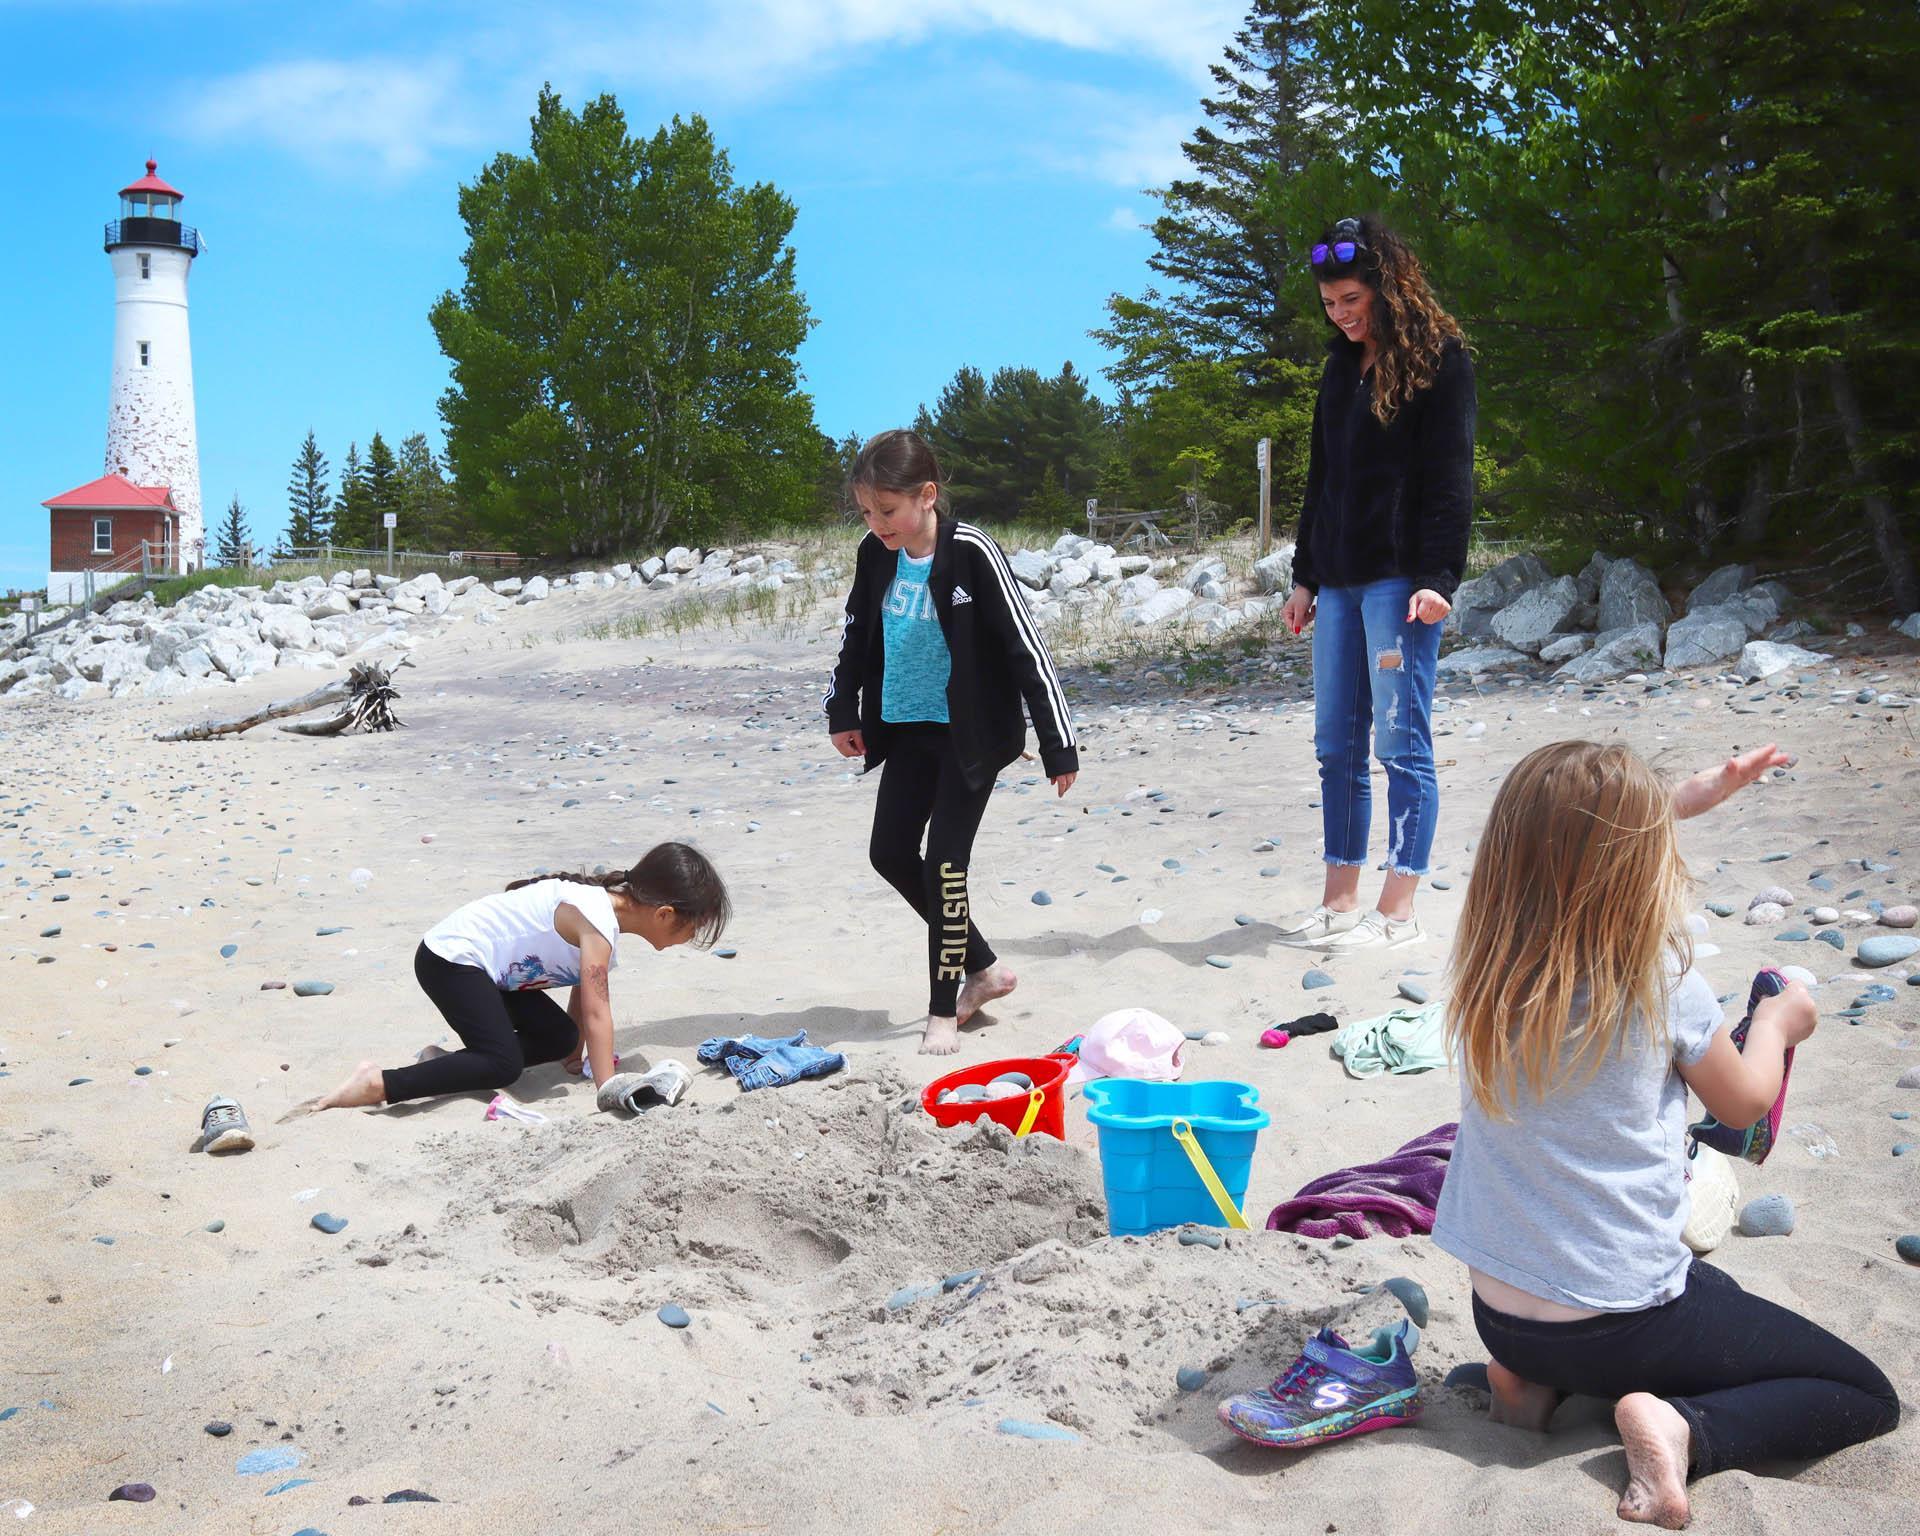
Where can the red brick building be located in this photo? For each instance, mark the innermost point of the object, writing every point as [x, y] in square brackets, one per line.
[99, 528]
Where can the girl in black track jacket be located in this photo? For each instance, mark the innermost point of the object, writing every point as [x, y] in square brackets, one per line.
[937, 652]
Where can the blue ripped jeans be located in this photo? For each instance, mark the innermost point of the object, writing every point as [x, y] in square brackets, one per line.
[1372, 670]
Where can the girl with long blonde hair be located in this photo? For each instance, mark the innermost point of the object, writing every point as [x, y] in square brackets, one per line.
[1580, 1024]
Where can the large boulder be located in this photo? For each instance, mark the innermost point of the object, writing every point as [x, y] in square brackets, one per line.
[1135, 565]
[461, 585]
[1728, 581]
[330, 604]
[651, 567]
[1136, 589]
[240, 656]
[1616, 652]
[1031, 568]
[1630, 597]
[535, 590]
[1764, 658]
[1207, 570]
[1274, 573]
[194, 662]
[169, 640]
[1909, 626]
[509, 586]
[287, 629]
[1537, 615]
[1158, 608]
[110, 663]
[1591, 575]
[1701, 639]
[1472, 660]
[1753, 611]
[1069, 575]
[681, 560]
[1565, 648]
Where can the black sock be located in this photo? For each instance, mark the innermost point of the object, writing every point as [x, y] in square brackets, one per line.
[1312, 1024]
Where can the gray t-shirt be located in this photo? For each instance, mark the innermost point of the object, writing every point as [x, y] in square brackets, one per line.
[1580, 1198]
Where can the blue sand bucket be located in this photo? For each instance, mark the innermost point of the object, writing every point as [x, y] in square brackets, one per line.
[1172, 1153]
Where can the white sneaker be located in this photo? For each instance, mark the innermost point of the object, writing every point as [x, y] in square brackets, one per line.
[1308, 930]
[1375, 931]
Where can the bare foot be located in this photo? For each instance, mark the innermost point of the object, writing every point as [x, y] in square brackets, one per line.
[983, 986]
[941, 1036]
[366, 1086]
[1523, 1404]
[1657, 1441]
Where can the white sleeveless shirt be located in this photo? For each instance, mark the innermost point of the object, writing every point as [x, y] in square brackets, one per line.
[510, 935]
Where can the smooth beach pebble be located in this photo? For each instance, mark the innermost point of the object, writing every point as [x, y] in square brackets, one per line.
[269, 1458]
[273, 986]
[1908, 1247]
[312, 988]
[1220, 962]
[218, 1428]
[1767, 1216]
[1190, 1378]
[409, 1496]
[327, 933]
[673, 1315]
[954, 1282]
[1042, 899]
[327, 1222]
[1316, 979]
[1412, 1297]
[725, 954]
[76, 1082]
[1026, 1429]
[1470, 1374]
[1200, 1237]
[228, 951]
[133, 1493]
[1900, 917]
[1019, 1080]
[1413, 991]
[216, 1225]
[1885, 949]
[1242, 920]
[50, 933]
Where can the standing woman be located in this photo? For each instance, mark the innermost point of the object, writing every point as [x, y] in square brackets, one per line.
[937, 652]
[1381, 548]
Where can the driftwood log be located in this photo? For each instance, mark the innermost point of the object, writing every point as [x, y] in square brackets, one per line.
[367, 692]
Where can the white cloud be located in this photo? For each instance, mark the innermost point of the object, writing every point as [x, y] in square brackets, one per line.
[340, 113]
[1127, 218]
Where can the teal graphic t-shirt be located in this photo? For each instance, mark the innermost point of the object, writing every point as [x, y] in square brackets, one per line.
[915, 685]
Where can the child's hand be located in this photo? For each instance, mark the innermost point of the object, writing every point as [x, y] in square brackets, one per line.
[1297, 613]
[573, 1062]
[849, 744]
[1793, 1012]
[1711, 786]
[1427, 607]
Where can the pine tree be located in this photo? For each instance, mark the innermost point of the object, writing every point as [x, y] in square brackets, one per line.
[309, 509]
[235, 541]
[429, 514]
[352, 526]
[381, 477]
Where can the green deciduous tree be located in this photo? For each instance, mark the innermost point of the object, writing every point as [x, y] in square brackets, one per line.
[309, 508]
[623, 344]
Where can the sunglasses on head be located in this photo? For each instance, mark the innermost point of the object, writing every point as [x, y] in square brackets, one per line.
[1345, 245]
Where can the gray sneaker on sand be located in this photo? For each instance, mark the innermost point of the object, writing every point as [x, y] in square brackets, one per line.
[1375, 931]
[223, 1126]
[1309, 930]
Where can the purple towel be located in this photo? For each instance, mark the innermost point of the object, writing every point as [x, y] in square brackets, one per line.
[1395, 1196]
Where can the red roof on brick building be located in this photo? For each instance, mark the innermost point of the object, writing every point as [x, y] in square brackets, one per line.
[113, 493]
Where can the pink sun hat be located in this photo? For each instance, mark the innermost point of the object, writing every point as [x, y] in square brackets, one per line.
[1130, 1042]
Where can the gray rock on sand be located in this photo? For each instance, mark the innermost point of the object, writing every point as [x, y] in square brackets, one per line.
[1724, 583]
[1274, 574]
[1615, 653]
[1474, 660]
[1902, 916]
[1157, 609]
[1031, 568]
[1536, 616]
[1767, 1216]
[1566, 647]
[1630, 597]
[1704, 638]
[1776, 895]
[1765, 913]
[1762, 659]
[1885, 949]
[1909, 626]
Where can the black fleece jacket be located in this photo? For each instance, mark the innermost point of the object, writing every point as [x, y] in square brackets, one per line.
[1393, 500]
[998, 658]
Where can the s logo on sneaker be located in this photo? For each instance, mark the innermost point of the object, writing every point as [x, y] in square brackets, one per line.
[1333, 1394]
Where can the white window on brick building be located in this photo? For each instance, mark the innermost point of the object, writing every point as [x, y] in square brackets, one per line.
[103, 532]
[146, 353]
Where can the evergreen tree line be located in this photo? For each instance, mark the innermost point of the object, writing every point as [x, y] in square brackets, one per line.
[1682, 240]
[411, 483]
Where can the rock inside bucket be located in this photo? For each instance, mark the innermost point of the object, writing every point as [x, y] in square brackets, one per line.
[1020, 1080]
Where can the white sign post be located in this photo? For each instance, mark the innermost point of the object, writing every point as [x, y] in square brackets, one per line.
[388, 520]
[1266, 494]
[1093, 510]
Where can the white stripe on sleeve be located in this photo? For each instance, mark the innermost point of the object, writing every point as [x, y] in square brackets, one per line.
[1024, 627]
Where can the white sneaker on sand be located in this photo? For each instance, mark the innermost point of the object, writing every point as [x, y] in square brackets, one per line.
[1375, 931]
[1307, 930]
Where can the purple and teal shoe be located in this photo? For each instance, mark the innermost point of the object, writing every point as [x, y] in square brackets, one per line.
[1752, 1142]
[1332, 1391]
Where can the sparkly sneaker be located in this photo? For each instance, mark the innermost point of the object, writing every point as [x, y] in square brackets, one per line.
[223, 1126]
[1306, 930]
[1374, 931]
[1333, 1391]
[1752, 1142]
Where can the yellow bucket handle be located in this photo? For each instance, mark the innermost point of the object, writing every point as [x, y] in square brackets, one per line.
[1035, 1098]
[1230, 1213]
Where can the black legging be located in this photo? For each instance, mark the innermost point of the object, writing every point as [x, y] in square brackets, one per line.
[1754, 1381]
[923, 790]
[504, 1032]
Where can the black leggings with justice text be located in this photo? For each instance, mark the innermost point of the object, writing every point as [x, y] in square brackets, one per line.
[504, 1032]
[922, 790]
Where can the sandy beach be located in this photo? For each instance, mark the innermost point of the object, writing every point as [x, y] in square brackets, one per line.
[484, 1329]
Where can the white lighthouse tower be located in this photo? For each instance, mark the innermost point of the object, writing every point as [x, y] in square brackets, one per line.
[151, 439]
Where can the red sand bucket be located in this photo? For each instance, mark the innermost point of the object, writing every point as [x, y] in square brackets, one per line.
[1049, 1074]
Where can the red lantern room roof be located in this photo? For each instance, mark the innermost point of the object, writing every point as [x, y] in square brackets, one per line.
[152, 183]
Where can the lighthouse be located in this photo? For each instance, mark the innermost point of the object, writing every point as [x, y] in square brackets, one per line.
[151, 441]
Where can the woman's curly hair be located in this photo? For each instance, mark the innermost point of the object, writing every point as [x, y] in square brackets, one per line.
[1408, 323]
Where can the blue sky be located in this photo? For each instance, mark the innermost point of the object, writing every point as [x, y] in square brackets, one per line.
[969, 176]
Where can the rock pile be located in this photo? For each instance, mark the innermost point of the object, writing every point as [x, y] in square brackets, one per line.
[225, 634]
[1078, 578]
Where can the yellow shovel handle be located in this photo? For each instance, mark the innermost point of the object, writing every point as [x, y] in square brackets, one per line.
[1035, 1098]
[1230, 1213]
